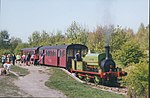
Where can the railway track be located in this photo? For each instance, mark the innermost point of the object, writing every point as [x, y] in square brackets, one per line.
[118, 90]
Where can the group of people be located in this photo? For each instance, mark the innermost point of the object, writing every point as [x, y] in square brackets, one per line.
[29, 59]
[6, 63]
[11, 59]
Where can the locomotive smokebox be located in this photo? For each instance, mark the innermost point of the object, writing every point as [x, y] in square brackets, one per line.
[107, 52]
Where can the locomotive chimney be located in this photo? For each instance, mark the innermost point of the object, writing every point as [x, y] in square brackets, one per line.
[107, 51]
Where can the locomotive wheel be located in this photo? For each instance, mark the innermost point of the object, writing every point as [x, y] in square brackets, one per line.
[87, 79]
[97, 80]
[80, 77]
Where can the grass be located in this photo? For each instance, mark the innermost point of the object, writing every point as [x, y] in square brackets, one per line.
[19, 70]
[73, 89]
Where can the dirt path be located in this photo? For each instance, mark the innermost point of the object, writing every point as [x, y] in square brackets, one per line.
[33, 84]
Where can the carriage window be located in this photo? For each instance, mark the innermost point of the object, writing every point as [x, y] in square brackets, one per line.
[51, 53]
[70, 53]
[48, 53]
[82, 52]
[59, 53]
[54, 53]
[63, 53]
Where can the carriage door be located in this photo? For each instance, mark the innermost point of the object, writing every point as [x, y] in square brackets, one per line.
[58, 60]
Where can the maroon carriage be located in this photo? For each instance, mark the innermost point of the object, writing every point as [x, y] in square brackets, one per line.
[60, 55]
[34, 50]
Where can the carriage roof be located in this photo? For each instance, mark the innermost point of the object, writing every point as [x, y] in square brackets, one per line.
[70, 46]
[33, 48]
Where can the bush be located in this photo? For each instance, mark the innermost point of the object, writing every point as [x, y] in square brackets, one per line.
[137, 79]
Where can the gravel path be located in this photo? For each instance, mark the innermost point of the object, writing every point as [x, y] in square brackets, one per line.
[33, 84]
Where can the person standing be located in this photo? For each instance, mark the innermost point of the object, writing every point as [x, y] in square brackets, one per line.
[13, 58]
[77, 56]
[23, 58]
[36, 59]
[8, 60]
[18, 58]
[28, 59]
[3, 59]
[32, 58]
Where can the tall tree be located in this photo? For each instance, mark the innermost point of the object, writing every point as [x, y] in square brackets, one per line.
[4, 40]
[34, 39]
[76, 34]
[119, 37]
[59, 38]
[97, 41]
[142, 37]
[129, 53]
[44, 41]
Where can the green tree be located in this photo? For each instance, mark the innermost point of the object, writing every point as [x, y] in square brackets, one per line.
[119, 37]
[20, 46]
[34, 39]
[129, 53]
[142, 37]
[76, 34]
[59, 38]
[14, 42]
[97, 41]
[44, 39]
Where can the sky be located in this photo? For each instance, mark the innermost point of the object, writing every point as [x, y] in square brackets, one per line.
[22, 17]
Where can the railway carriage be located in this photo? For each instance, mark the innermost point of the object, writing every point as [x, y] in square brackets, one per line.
[60, 55]
[33, 50]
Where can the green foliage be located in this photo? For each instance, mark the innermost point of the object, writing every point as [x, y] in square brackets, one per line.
[142, 37]
[137, 79]
[58, 38]
[76, 34]
[96, 40]
[14, 42]
[44, 39]
[5, 51]
[20, 46]
[34, 39]
[129, 53]
[119, 37]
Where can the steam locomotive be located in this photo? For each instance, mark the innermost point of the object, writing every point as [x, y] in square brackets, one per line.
[97, 67]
